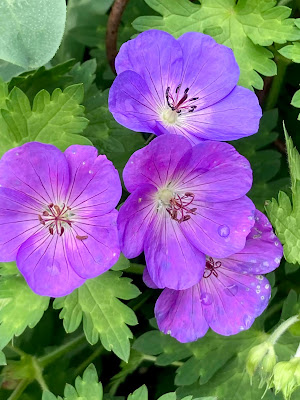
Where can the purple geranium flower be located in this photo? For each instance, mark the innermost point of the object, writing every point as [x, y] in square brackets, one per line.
[231, 294]
[186, 86]
[185, 202]
[57, 215]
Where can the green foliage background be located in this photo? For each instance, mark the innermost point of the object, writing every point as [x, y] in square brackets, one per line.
[54, 89]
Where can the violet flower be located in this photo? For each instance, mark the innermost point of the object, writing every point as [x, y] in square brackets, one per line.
[57, 215]
[185, 202]
[186, 86]
[231, 294]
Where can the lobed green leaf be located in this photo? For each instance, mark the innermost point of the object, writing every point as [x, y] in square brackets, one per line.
[104, 315]
[244, 26]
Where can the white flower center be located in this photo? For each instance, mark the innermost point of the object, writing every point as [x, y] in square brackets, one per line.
[165, 195]
[169, 116]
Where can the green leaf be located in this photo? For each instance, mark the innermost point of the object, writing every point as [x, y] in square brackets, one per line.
[9, 70]
[2, 358]
[19, 308]
[296, 101]
[60, 76]
[142, 394]
[224, 376]
[31, 82]
[112, 139]
[104, 316]
[121, 264]
[244, 26]
[86, 388]
[9, 268]
[139, 394]
[291, 51]
[31, 38]
[55, 119]
[284, 214]
[80, 13]
[291, 307]
[265, 163]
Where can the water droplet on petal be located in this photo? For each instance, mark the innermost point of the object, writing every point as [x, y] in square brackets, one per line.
[257, 291]
[260, 277]
[267, 286]
[277, 260]
[224, 231]
[90, 171]
[247, 289]
[262, 297]
[83, 163]
[206, 298]
[265, 264]
[17, 154]
[248, 321]
[231, 290]
[169, 332]
[241, 328]
[73, 152]
[276, 243]
[250, 218]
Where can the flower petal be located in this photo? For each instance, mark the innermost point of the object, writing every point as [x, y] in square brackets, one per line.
[132, 104]
[147, 280]
[215, 172]
[157, 57]
[18, 221]
[262, 252]
[179, 313]
[95, 187]
[234, 117]
[92, 245]
[43, 261]
[220, 229]
[172, 261]
[156, 163]
[134, 219]
[231, 301]
[209, 71]
[38, 170]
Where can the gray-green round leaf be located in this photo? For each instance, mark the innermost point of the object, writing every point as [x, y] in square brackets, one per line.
[31, 31]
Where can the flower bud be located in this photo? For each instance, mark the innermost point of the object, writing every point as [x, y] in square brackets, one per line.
[261, 359]
[287, 377]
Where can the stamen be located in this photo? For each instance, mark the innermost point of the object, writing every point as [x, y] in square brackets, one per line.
[178, 88]
[57, 209]
[51, 230]
[41, 220]
[180, 105]
[81, 237]
[178, 207]
[210, 268]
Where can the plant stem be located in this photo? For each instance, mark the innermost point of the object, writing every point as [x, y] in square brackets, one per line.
[57, 353]
[113, 23]
[87, 362]
[16, 350]
[16, 394]
[282, 328]
[282, 64]
[39, 374]
[146, 357]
